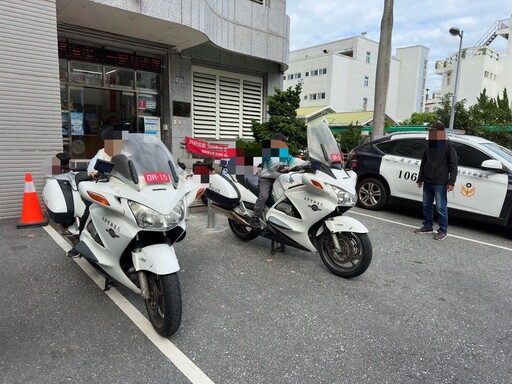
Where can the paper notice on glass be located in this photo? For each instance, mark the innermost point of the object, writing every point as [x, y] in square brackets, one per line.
[152, 126]
[77, 123]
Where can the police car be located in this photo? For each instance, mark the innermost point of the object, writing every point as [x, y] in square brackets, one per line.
[387, 168]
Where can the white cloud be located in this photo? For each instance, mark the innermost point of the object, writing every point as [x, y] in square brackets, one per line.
[415, 23]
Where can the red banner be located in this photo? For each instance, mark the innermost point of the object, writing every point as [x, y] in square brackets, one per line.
[218, 151]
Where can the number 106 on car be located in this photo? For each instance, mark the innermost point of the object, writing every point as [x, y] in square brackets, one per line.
[413, 176]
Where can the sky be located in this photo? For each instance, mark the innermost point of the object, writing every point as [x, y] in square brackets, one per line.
[415, 23]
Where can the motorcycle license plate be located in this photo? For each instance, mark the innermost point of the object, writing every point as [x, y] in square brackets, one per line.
[157, 177]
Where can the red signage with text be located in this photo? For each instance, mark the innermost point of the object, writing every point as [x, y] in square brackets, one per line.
[219, 151]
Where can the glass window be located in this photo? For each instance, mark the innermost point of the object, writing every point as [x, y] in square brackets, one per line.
[115, 77]
[366, 81]
[63, 70]
[148, 80]
[148, 104]
[499, 150]
[413, 148]
[368, 57]
[469, 156]
[387, 147]
[87, 74]
[76, 100]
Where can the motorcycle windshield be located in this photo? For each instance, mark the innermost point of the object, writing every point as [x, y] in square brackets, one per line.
[322, 146]
[144, 159]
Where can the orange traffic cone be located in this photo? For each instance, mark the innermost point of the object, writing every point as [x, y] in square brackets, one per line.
[31, 213]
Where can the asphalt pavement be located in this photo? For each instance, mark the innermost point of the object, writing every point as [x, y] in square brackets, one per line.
[424, 312]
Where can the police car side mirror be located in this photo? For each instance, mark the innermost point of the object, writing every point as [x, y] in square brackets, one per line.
[492, 165]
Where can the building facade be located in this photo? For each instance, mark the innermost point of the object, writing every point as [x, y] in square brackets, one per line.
[481, 67]
[341, 74]
[176, 68]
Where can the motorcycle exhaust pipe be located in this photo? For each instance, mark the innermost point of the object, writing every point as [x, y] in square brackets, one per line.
[230, 214]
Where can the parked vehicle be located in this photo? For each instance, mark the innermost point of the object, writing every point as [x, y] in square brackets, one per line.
[306, 209]
[139, 202]
[387, 168]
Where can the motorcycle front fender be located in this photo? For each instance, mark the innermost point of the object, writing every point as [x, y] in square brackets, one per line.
[159, 259]
[344, 224]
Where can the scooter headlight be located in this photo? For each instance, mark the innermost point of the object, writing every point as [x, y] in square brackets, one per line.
[344, 198]
[148, 218]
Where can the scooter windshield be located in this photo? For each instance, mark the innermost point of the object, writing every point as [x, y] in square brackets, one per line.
[322, 146]
[144, 159]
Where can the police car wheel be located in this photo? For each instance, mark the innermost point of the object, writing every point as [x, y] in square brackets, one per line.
[371, 194]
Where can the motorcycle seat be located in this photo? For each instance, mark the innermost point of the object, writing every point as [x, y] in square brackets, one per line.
[252, 183]
[82, 176]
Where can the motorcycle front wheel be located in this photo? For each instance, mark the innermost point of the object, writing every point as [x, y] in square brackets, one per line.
[241, 231]
[164, 303]
[354, 257]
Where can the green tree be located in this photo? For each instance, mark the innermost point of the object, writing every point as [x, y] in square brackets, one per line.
[282, 108]
[420, 118]
[350, 138]
[491, 118]
[462, 116]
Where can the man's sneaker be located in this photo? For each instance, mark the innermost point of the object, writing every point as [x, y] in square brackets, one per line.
[254, 222]
[73, 253]
[440, 235]
[423, 230]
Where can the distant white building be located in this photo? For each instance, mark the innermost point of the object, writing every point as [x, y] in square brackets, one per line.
[432, 103]
[481, 67]
[341, 74]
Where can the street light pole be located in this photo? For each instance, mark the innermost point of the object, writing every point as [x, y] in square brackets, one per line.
[454, 31]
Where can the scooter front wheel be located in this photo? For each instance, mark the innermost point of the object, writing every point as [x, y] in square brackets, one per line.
[354, 257]
[164, 303]
[241, 231]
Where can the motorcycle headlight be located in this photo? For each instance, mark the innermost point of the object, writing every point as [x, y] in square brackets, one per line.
[344, 198]
[148, 218]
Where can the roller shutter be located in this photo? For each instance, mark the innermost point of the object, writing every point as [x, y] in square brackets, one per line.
[224, 104]
[30, 127]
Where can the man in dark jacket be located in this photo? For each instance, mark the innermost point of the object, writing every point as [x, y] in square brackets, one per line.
[438, 172]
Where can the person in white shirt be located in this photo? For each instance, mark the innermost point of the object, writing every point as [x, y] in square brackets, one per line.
[112, 142]
[112, 145]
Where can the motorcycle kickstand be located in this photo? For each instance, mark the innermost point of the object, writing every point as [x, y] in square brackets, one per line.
[280, 247]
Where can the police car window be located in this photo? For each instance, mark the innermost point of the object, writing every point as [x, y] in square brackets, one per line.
[499, 150]
[469, 156]
[387, 146]
[410, 148]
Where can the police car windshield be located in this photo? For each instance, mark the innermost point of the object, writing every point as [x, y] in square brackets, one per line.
[322, 146]
[503, 152]
[144, 158]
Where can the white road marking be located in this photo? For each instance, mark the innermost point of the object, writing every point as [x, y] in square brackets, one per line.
[450, 235]
[178, 358]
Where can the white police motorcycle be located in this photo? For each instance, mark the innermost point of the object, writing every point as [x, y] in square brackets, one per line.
[139, 204]
[306, 208]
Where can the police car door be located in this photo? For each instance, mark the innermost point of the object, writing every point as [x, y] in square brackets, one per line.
[400, 167]
[476, 190]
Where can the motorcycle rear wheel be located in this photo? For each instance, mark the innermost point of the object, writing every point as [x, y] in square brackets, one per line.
[355, 256]
[241, 231]
[164, 303]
